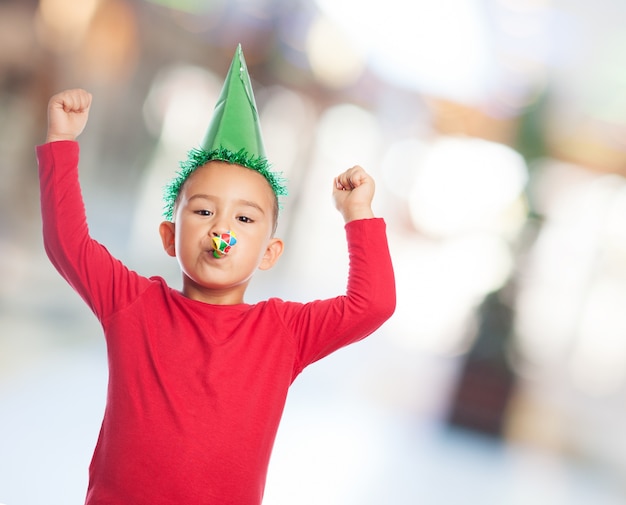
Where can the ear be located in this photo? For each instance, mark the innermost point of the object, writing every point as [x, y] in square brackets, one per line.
[272, 253]
[167, 231]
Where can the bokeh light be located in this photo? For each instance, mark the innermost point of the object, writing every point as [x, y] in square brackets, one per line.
[467, 184]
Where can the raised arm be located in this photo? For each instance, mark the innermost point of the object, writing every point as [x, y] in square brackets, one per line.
[324, 326]
[100, 279]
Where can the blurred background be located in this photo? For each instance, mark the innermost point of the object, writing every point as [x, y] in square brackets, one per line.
[496, 132]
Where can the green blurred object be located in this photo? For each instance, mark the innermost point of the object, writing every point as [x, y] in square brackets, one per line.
[189, 6]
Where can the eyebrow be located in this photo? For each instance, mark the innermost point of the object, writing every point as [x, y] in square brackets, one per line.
[241, 201]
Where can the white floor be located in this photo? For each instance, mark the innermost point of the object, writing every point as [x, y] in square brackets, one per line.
[338, 444]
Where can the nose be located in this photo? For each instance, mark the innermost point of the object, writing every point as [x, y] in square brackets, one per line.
[218, 227]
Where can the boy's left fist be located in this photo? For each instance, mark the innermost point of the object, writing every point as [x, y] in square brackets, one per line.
[353, 192]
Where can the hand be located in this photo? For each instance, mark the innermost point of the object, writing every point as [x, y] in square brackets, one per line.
[67, 114]
[353, 193]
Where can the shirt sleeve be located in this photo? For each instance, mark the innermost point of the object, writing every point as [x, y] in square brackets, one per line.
[323, 326]
[101, 280]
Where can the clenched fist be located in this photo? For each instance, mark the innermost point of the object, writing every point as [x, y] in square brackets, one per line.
[67, 114]
[353, 192]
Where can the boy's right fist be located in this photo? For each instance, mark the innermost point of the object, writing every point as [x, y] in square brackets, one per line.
[67, 114]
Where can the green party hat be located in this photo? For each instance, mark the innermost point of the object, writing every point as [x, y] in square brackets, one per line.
[234, 135]
[235, 122]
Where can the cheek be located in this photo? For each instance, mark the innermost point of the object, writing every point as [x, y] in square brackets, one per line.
[184, 237]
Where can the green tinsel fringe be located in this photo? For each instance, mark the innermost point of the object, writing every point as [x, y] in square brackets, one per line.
[198, 157]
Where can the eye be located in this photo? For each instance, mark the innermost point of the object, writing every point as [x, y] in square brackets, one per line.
[203, 212]
[245, 219]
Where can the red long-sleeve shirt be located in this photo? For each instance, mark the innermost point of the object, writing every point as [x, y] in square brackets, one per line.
[196, 391]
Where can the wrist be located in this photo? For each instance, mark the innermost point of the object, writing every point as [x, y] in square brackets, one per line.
[57, 138]
[357, 213]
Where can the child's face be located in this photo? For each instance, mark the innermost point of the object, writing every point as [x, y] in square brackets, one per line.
[220, 197]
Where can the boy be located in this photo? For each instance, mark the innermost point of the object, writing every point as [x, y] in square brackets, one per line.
[198, 378]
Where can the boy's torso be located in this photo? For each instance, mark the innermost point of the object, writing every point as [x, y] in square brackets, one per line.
[195, 397]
